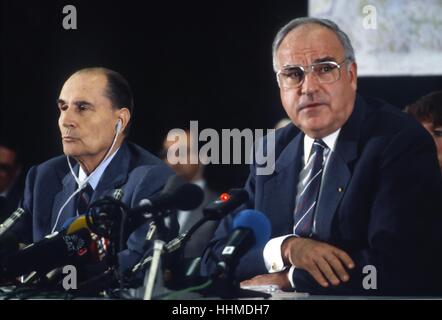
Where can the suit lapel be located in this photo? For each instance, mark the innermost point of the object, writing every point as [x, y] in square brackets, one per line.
[280, 188]
[115, 174]
[69, 187]
[338, 172]
[334, 184]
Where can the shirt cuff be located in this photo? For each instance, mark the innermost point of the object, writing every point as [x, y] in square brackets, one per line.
[290, 275]
[272, 254]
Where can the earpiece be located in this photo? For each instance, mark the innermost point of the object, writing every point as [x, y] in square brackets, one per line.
[118, 126]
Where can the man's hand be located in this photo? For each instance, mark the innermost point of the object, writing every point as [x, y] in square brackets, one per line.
[325, 263]
[278, 278]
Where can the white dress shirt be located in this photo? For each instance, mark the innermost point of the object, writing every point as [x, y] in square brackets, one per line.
[95, 175]
[272, 251]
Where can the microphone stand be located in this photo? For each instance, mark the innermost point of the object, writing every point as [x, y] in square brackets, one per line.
[153, 280]
[151, 276]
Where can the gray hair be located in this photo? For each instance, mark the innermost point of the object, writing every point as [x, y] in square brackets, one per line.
[342, 36]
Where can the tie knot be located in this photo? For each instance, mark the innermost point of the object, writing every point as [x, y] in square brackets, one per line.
[84, 198]
[87, 189]
[318, 148]
[319, 144]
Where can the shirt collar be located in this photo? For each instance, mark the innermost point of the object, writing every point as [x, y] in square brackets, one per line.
[97, 173]
[329, 140]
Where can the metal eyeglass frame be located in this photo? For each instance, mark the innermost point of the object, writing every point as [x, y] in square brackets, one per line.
[308, 69]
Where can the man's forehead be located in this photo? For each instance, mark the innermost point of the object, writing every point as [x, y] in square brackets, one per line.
[309, 43]
[84, 83]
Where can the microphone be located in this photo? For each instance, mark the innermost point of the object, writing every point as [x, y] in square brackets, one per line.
[55, 250]
[8, 241]
[11, 221]
[218, 209]
[181, 196]
[251, 229]
[100, 216]
[225, 204]
[75, 224]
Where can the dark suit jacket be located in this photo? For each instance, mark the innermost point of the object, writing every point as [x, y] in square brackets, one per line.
[385, 215]
[133, 169]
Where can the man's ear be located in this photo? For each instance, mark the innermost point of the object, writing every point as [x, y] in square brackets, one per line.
[124, 116]
[353, 75]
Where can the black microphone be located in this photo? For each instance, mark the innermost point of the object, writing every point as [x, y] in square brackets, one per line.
[216, 210]
[225, 204]
[181, 196]
[104, 217]
[55, 250]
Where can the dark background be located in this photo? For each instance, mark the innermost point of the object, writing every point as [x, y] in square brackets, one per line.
[207, 61]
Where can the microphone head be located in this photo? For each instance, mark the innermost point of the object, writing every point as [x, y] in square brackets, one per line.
[75, 224]
[225, 204]
[255, 221]
[173, 183]
[188, 197]
[238, 193]
[68, 222]
[176, 194]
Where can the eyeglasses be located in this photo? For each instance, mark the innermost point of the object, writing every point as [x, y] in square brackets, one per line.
[292, 76]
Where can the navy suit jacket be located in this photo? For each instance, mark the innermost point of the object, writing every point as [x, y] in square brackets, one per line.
[136, 171]
[377, 203]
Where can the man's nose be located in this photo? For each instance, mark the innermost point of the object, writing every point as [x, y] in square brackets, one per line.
[67, 118]
[310, 84]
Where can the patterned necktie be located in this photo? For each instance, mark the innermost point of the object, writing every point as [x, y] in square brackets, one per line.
[83, 200]
[307, 198]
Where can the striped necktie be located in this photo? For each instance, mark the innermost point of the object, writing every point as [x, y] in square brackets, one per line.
[308, 197]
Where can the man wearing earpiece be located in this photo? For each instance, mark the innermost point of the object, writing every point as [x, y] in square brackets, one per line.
[95, 106]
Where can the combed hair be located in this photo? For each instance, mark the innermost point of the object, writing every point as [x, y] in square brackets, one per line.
[297, 22]
[118, 90]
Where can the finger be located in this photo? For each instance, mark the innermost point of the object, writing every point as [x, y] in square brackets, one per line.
[337, 267]
[250, 282]
[317, 275]
[327, 271]
[344, 257]
[258, 280]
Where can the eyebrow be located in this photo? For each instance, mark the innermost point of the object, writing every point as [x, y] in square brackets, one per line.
[77, 103]
[319, 60]
[325, 59]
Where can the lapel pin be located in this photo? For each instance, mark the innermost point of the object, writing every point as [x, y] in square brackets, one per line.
[340, 189]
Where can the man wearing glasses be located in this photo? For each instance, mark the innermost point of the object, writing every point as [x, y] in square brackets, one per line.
[351, 199]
